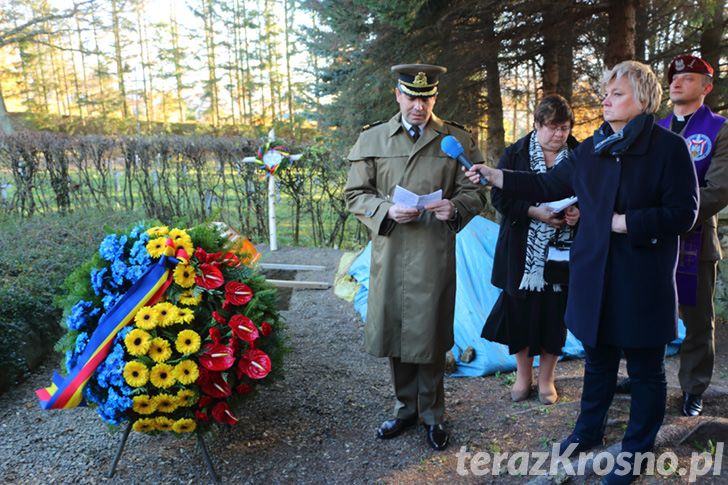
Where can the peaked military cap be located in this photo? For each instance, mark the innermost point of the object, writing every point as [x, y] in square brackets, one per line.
[688, 64]
[418, 80]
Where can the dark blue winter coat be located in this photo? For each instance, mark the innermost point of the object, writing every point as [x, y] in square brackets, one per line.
[622, 286]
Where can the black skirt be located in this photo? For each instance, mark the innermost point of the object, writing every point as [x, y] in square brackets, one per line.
[535, 321]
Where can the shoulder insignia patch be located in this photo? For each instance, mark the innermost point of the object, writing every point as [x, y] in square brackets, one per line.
[370, 125]
[458, 125]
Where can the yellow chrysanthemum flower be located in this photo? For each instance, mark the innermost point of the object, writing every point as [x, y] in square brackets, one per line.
[184, 275]
[189, 298]
[144, 425]
[163, 423]
[135, 373]
[186, 372]
[159, 350]
[167, 313]
[186, 398]
[137, 342]
[166, 403]
[155, 247]
[158, 231]
[143, 404]
[184, 425]
[188, 342]
[146, 318]
[162, 376]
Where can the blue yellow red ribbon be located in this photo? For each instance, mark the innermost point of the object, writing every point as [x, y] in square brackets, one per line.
[66, 392]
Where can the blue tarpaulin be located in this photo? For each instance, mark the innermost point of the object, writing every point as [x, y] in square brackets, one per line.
[475, 296]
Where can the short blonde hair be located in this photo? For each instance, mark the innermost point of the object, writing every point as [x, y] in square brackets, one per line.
[646, 87]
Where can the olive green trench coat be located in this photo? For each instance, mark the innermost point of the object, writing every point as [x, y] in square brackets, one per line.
[412, 275]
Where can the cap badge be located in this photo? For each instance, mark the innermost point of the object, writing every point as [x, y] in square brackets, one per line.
[420, 80]
[679, 65]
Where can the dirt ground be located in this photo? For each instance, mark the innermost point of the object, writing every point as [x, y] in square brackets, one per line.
[319, 424]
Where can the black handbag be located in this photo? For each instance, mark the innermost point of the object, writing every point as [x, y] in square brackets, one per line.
[556, 262]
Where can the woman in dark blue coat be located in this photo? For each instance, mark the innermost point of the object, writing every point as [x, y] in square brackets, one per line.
[637, 192]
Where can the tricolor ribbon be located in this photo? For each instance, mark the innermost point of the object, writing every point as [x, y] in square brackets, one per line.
[66, 392]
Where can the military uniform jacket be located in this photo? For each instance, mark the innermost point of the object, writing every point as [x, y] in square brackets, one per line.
[412, 275]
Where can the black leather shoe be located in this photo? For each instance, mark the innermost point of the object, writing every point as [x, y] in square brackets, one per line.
[624, 386]
[437, 436]
[580, 445]
[394, 427]
[623, 473]
[692, 404]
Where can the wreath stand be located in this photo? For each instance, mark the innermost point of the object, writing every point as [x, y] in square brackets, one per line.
[200, 442]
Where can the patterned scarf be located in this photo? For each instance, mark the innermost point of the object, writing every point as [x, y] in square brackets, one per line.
[540, 233]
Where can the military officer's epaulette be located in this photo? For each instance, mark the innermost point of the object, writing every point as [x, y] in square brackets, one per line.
[457, 125]
[371, 125]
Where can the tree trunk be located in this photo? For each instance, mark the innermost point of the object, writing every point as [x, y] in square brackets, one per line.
[494, 102]
[5, 126]
[621, 40]
[710, 49]
[118, 57]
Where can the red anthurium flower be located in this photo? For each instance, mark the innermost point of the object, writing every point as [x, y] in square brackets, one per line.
[217, 357]
[219, 318]
[215, 335]
[201, 255]
[202, 416]
[254, 363]
[211, 277]
[221, 412]
[266, 329]
[217, 386]
[243, 389]
[243, 328]
[226, 305]
[203, 377]
[204, 401]
[228, 258]
[233, 344]
[238, 293]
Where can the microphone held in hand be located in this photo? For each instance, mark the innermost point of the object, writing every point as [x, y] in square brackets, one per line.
[452, 148]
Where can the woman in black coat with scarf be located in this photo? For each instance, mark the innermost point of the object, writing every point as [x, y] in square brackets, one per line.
[637, 192]
[528, 316]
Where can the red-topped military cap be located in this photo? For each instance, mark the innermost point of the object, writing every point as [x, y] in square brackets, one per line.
[688, 63]
[418, 80]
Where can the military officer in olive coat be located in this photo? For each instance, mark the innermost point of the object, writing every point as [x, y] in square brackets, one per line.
[412, 277]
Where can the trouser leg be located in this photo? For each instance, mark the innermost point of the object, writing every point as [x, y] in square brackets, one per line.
[419, 389]
[697, 351]
[404, 381]
[432, 391]
[646, 369]
[600, 379]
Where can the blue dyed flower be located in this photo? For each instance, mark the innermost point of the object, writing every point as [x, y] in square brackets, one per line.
[112, 247]
[138, 253]
[81, 343]
[97, 279]
[118, 272]
[70, 360]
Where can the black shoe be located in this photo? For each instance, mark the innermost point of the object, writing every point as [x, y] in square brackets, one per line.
[692, 404]
[394, 427]
[624, 387]
[437, 436]
[623, 473]
[580, 445]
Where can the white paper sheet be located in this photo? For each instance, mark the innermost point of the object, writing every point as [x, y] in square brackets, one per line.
[559, 205]
[406, 198]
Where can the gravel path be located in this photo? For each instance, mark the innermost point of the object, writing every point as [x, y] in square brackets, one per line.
[318, 425]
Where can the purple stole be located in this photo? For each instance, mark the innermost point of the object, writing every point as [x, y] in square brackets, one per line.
[699, 133]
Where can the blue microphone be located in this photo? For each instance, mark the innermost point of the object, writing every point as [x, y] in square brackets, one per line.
[453, 149]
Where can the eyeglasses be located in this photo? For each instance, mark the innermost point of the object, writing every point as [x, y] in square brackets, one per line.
[554, 128]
